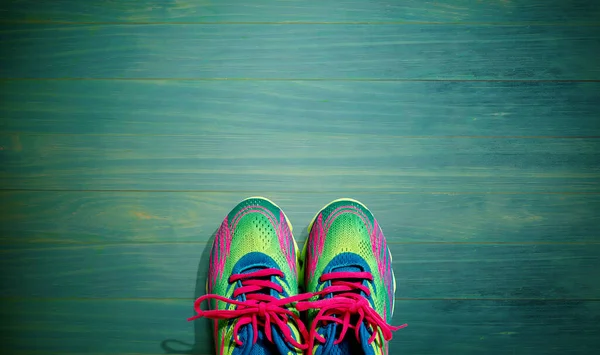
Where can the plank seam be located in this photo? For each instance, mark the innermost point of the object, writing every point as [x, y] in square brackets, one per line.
[357, 192]
[315, 79]
[326, 135]
[293, 23]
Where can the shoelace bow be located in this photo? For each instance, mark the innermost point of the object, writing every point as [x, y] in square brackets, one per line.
[345, 303]
[259, 309]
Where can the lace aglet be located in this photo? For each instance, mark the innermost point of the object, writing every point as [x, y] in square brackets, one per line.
[400, 326]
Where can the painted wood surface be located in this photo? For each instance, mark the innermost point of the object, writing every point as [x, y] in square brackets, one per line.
[293, 161]
[309, 11]
[318, 52]
[424, 271]
[35, 219]
[470, 128]
[401, 109]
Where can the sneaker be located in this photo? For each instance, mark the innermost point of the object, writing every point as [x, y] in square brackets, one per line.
[253, 282]
[348, 271]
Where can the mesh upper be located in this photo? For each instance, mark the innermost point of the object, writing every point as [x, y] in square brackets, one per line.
[346, 230]
[254, 226]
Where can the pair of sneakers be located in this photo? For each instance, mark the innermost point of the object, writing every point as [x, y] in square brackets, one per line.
[256, 273]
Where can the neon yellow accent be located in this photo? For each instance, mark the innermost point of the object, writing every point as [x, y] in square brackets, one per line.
[289, 226]
[303, 256]
[310, 225]
[274, 204]
[334, 201]
[298, 267]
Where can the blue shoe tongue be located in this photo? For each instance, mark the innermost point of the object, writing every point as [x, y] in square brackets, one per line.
[347, 269]
[262, 346]
[350, 345]
[258, 268]
[253, 269]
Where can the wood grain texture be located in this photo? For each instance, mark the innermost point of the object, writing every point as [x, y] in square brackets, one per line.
[128, 129]
[294, 161]
[403, 109]
[353, 52]
[431, 271]
[45, 219]
[455, 11]
[434, 327]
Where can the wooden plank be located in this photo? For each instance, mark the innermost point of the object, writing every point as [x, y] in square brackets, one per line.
[297, 161]
[376, 108]
[178, 270]
[102, 327]
[353, 52]
[455, 11]
[46, 218]
[159, 326]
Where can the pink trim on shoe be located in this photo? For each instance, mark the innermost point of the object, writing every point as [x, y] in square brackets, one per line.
[286, 243]
[317, 243]
[222, 246]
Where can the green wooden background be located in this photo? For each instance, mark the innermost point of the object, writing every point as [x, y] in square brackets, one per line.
[130, 128]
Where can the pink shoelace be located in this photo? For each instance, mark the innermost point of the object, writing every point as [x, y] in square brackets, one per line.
[345, 303]
[259, 309]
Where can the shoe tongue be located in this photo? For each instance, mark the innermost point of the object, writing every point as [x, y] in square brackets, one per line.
[350, 345]
[263, 346]
[350, 269]
[347, 269]
[270, 292]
